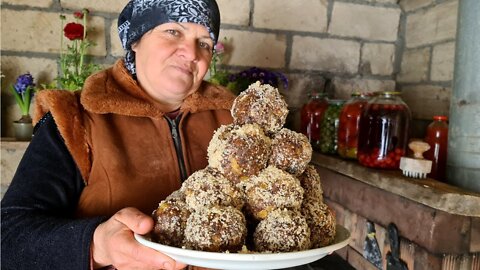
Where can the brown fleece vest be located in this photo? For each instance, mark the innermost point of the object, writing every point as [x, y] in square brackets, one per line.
[121, 141]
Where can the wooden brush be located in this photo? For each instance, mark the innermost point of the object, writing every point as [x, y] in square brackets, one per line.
[416, 167]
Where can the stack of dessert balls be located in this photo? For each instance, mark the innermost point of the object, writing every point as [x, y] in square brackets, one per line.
[258, 193]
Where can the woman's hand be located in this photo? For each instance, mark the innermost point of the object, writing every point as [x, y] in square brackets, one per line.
[114, 243]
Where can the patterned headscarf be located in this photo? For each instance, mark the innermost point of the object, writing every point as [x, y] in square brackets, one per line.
[140, 16]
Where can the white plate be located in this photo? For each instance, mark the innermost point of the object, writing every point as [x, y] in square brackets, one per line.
[248, 261]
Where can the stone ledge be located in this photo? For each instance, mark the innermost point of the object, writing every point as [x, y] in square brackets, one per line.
[431, 193]
[425, 212]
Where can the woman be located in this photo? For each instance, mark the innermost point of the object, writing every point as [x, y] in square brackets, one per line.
[102, 159]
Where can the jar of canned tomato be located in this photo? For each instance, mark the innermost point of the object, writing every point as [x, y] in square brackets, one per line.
[329, 127]
[384, 131]
[348, 125]
[311, 115]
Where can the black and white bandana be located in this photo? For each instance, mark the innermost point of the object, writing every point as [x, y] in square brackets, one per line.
[140, 16]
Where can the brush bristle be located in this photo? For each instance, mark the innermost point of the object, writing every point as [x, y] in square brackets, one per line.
[412, 174]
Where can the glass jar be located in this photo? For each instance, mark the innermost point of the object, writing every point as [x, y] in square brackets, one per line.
[384, 131]
[329, 127]
[311, 115]
[437, 138]
[348, 125]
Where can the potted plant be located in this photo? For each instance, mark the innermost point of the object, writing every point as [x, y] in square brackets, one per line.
[23, 91]
[74, 45]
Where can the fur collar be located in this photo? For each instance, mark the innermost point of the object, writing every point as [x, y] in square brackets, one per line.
[115, 91]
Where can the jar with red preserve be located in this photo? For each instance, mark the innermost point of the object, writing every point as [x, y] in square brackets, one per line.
[348, 126]
[311, 115]
[437, 138]
[384, 131]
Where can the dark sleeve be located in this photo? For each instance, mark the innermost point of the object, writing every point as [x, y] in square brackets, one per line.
[39, 230]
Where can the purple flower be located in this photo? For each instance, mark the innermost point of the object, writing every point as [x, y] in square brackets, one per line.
[264, 76]
[23, 82]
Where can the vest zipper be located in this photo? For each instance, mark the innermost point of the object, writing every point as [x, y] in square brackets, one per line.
[178, 145]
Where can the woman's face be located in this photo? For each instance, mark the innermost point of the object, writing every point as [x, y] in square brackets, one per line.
[171, 61]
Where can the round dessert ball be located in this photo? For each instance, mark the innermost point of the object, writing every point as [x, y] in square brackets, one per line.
[208, 187]
[282, 231]
[321, 221]
[310, 181]
[216, 229]
[291, 151]
[170, 221]
[272, 189]
[261, 104]
[239, 152]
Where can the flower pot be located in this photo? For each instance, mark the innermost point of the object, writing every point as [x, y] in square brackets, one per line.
[23, 128]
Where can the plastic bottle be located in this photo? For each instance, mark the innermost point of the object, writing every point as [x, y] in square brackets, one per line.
[437, 138]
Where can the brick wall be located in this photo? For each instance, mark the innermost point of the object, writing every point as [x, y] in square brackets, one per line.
[366, 45]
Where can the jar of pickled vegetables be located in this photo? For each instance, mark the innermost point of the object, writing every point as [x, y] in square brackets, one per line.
[329, 127]
[348, 126]
[384, 131]
[311, 115]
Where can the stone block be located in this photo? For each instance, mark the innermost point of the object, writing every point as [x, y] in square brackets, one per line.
[43, 70]
[36, 31]
[235, 12]
[366, 22]
[311, 53]
[409, 5]
[306, 15]
[31, 3]
[415, 66]
[432, 25]
[425, 101]
[443, 61]
[256, 49]
[116, 48]
[299, 88]
[95, 6]
[377, 59]
[345, 87]
[40, 32]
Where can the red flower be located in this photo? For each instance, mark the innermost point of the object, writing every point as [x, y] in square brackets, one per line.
[73, 31]
[78, 15]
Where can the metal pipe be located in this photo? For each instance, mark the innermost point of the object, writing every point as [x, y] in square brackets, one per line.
[463, 162]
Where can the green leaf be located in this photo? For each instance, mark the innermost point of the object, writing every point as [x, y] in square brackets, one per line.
[18, 98]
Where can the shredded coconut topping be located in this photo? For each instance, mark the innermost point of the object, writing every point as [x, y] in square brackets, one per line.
[270, 190]
[239, 152]
[282, 231]
[261, 104]
[310, 181]
[321, 221]
[216, 229]
[291, 151]
[206, 188]
[257, 167]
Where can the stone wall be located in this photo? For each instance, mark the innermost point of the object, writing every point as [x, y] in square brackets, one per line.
[426, 71]
[362, 45]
